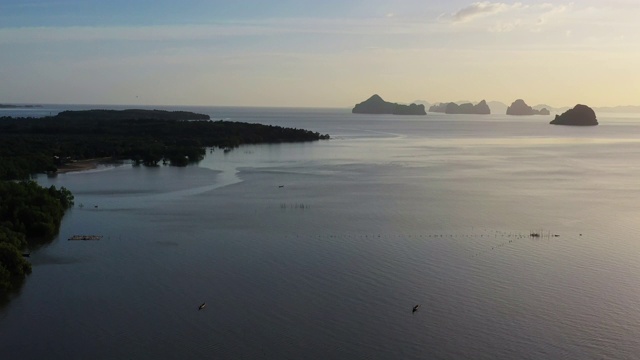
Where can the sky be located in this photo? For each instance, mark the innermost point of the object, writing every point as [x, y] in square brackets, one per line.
[329, 53]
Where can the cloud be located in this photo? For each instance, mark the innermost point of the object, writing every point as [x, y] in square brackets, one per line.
[506, 26]
[478, 9]
[547, 11]
[503, 17]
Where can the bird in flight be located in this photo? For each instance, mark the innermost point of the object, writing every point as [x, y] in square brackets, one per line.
[415, 308]
[202, 306]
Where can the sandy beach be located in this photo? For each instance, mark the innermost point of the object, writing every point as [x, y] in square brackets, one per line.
[82, 165]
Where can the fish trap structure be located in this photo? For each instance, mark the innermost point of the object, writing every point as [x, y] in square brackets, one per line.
[86, 237]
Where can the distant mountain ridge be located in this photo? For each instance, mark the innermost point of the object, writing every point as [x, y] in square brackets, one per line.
[497, 107]
[551, 108]
[619, 109]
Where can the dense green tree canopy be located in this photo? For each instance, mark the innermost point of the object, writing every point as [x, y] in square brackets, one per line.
[36, 145]
[27, 211]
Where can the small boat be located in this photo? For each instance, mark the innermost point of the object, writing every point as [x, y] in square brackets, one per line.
[415, 308]
[202, 306]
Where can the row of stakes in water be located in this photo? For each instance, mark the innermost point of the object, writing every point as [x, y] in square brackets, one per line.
[511, 236]
[300, 206]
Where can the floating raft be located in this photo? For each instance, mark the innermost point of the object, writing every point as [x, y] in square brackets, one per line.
[86, 237]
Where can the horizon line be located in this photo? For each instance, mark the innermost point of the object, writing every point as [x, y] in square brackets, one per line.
[287, 106]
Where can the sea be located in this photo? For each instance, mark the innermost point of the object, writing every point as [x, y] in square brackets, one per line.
[516, 238]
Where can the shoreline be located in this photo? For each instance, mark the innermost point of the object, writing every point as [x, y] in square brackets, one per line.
[82, 165]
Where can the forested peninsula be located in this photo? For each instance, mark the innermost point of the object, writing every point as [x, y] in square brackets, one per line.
[38, 145]
[31, 214]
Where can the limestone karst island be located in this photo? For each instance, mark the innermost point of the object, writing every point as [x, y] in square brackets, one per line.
[580, 115]
[376, 105]
[519, 107]
[480, 108]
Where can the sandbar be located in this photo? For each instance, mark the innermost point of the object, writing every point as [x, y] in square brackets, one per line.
[82, 165]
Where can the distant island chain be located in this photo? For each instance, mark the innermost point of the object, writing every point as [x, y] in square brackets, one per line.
[580, 115]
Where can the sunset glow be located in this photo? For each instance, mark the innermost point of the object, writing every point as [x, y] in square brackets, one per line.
[319, 54]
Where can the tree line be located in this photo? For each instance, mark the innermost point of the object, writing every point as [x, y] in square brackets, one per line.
[38, 145]
[29, 214]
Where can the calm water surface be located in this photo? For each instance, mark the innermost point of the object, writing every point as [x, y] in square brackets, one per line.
[320, 250]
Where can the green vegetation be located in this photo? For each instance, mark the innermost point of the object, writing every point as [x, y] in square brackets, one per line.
[28, 213]
[37, 145]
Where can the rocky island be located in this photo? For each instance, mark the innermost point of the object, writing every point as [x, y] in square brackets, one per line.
[520, 108]
[376, 105]
[438, 108]
[580, 115]
[480, 108]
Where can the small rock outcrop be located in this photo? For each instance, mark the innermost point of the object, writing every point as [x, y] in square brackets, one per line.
[580, 115]
[519, 107]
[376, 105]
